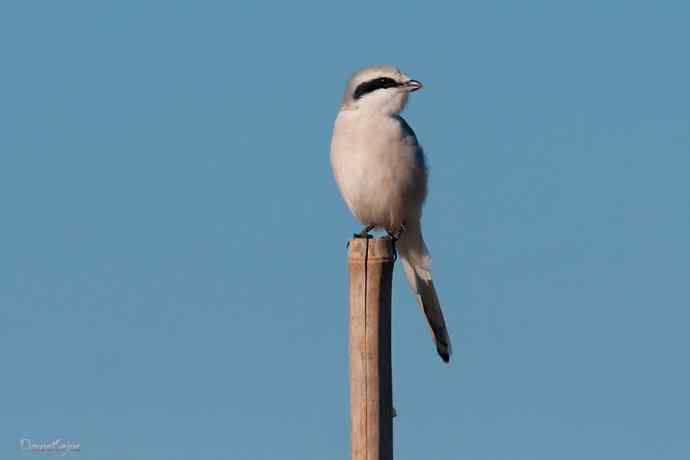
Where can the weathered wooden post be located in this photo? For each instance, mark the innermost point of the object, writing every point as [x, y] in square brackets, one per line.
[370, 265]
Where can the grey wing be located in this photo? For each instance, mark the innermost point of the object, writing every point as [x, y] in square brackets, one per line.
[420, 160]
[409, 134]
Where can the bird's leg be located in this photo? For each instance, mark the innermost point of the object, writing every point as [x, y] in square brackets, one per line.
[365, 231]
[401, 230]
[363, 234]
[394, 237]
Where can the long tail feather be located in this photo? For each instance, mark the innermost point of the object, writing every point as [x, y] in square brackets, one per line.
[417, 266]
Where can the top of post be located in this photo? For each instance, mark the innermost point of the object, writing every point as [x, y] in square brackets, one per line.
[374, 249]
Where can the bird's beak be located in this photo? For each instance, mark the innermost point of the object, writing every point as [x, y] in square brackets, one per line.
[412, 85]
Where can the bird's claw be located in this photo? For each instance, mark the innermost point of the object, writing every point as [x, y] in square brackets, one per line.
[363, 234]
[396, 236]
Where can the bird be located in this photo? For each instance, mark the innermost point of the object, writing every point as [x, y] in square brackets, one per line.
[380, 169]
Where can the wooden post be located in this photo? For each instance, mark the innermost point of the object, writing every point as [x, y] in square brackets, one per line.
[370, 264]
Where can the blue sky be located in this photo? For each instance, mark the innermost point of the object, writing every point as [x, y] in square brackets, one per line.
[173, 278]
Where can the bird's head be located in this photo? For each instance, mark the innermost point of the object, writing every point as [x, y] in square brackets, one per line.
[379, 88]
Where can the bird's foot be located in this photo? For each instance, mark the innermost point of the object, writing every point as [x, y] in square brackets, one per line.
[396, 236]
[399, 233]
[363, 234]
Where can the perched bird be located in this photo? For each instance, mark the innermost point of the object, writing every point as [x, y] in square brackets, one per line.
[380, 169]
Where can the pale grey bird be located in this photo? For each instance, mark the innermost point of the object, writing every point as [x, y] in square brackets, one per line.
[380, 169]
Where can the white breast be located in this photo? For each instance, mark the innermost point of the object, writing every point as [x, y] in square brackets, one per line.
[377, 168]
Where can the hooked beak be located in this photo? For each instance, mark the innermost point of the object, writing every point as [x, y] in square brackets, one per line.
[412, 85]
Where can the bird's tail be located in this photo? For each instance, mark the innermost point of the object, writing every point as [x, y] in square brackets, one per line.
[416, 262]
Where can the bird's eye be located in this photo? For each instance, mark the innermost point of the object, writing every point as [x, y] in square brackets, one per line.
[373, 85]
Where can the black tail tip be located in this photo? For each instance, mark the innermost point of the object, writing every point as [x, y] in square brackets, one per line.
[444, 356]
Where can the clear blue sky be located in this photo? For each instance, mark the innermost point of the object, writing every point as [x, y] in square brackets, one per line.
[172, 268]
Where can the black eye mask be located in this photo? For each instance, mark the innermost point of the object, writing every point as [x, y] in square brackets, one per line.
[373, 85]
